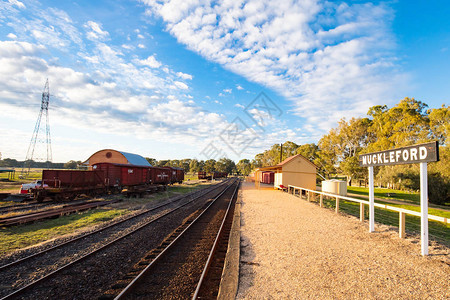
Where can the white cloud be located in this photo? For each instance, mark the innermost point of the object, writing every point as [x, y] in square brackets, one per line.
[12, 36]
[128, 47]
[239, 105]
[314, 53]
[239, 87]
[17, 3]
[96, 32]
[141, 46]
[150, 62]
[184, 76]
[140, 36]
[181, 85]
[228, 91]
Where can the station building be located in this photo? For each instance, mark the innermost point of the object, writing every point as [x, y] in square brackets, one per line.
[295, 170]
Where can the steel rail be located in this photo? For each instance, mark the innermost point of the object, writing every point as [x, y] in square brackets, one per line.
[128, 289]
[49, 275]
[44, 214]
[201, 193]
[215, 245]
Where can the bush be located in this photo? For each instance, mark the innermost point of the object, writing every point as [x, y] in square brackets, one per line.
[438, 188]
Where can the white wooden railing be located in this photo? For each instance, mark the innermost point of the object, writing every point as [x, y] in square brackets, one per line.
[310, 194]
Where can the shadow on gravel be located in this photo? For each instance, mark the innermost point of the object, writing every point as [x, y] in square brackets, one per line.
[246, 265]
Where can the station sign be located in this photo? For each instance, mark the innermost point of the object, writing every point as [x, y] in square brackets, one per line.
[427, 152]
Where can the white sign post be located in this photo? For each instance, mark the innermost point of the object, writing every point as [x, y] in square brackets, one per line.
[421, 154]
[424, 208]
[371, 202]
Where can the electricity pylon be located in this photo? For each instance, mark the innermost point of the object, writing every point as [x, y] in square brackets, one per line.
[36, 137]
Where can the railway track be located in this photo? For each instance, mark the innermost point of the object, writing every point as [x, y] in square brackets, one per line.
[51, 213]
[189, 263]
[49, 267]
[19, 207]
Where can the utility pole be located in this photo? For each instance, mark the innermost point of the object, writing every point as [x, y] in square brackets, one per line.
[281, 152]
[36, 137]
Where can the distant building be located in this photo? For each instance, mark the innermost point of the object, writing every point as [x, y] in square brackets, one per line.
[295, 170]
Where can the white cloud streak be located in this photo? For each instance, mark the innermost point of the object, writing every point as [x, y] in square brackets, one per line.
[317, 54]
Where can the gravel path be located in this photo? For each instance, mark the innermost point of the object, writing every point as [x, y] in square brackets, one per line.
[293, 249]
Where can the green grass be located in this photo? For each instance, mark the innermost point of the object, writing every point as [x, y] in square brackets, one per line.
[17, 237]
[437, 230]
[382, 193]
[190, 176]
[431, 210]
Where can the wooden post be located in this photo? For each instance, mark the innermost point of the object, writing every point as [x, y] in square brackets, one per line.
[361, 212]
[321, 200]
[308, 195]
[371, 202]
[424, 207]
[401, 225]
[337, 204]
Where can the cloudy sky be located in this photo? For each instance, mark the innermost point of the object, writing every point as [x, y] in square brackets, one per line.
[203, 79]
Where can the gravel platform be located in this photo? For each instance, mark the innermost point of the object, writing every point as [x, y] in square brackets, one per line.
[293, 249]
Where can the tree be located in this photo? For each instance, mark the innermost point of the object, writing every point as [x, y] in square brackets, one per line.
[342, 146]
[209, 166]
[194, 166]
[225, 165]
[244, 167]
[185, 164]
[152, 161]
[402, 125]
[440, 124]
[71, 164]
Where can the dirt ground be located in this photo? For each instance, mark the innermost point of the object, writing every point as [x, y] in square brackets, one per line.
[293, 249]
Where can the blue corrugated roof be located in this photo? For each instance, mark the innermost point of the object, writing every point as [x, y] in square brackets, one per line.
[135, 159]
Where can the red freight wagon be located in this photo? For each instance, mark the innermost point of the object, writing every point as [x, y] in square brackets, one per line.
[68, 184]
[267, 177]
[160, 175]
[173, 174]
[72, 178]
[176, 174]
[180, 175]
[124, 175]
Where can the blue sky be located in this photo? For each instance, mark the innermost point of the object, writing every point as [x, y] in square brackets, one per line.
[203, 79]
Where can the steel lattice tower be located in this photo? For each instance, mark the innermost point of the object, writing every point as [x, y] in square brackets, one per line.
[36, 137]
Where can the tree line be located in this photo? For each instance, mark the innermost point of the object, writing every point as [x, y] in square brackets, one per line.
[195, 165]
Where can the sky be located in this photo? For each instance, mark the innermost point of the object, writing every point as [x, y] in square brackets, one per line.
[174, 79]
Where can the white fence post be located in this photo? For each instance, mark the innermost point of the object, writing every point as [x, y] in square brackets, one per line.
[321, 200]
[371, 202]
[337, 204]
[424, 207]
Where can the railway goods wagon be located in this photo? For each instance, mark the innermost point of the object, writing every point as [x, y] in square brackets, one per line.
[176, 174]
[212, 175]
[68, 184]
[180, 175]
[172, 174]
[268, 177]
[220, 174]
[119, 175]
[159, 175]
[203, 175]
